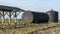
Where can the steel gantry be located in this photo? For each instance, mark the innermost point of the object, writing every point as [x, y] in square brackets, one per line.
[9, 11]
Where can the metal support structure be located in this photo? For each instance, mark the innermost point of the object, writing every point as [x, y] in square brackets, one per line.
[3, 13]
[3, 17]
[9, 11]
[9, 17]
[18, 14]
[15, 17]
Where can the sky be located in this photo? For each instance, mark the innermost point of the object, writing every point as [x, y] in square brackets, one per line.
[34, 5]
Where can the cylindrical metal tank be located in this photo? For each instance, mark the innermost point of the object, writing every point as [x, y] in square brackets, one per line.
[27, 17]
[35, 17]
[53, 16]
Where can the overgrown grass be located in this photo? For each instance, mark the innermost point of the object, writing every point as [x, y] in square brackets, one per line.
[26, 28]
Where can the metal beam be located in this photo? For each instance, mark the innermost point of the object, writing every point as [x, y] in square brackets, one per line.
[3, 17]
[9, 17]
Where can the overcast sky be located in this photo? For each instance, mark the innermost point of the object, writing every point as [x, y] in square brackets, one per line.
[34, 5]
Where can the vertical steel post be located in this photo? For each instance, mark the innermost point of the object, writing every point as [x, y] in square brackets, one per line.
[15, 17]
[9, 17]
[2, 17]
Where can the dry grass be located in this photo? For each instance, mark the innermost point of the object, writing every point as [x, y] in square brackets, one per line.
[29, 28]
